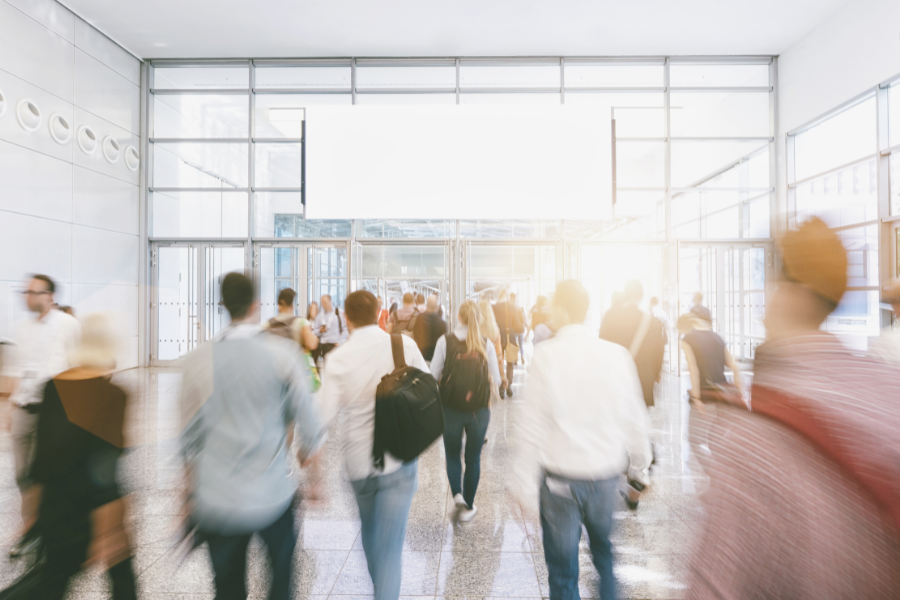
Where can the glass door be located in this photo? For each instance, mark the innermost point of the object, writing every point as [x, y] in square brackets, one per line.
[310, 269]
[187, 309]
[527, 270]
[732, 279]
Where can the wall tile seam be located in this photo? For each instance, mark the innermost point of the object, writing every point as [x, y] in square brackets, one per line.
[72, 163]
[92, 57]
[17, 145]
[45, 90]
[73, 222]
[17, 9]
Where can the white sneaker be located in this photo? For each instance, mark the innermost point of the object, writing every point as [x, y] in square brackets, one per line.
[458, 500]
[467, 514]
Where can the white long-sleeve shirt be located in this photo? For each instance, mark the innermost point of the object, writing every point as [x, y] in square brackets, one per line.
[440, 355]
[335, 331]
[351, 375]
[41, 351]
[583, 413]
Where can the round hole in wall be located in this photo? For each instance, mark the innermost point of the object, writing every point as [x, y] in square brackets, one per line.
[3, 103]
[110, 149]
[87, 139]
[60, 129]
[132, 158]
[29, 115]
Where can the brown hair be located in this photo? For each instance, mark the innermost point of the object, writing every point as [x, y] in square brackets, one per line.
[361, 308]
[237, 294]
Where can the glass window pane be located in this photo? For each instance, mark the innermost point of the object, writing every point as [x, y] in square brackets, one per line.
[509, 98]
[637, 115]
[845, 137]
[894, 114]
[683, 75]
[695, 162]
[403, 261]
[895, 183]
[330, 262]
[279, 165]
[640, 164]
[200, 165]
[512, 228]
[862, 255]
[198, 214]
[280, 214]
[581, 75]
[856, 318]
[637, 215]
[333, 77]
[280, 115]
[199, 78]
[436, 76]
[407, 228]
[405, 98]
[714, 114]
[757, 218]
[843, 198]
[750, 172]
[540, 75]
[201, 116]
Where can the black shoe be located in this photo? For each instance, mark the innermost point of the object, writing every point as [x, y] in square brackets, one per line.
[628, 502]
[509, 393]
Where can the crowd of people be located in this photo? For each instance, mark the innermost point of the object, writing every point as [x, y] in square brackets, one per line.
[804, 467]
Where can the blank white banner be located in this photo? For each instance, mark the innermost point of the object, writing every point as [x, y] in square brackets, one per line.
[458, 162]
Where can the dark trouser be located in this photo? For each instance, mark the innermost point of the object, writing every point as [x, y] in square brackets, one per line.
[475, 426]
[228, 554]
[510, 372]
[321, 350]
[565, 505]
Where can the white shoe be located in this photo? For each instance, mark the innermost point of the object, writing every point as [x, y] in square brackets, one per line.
[458, 500]
[467, 514]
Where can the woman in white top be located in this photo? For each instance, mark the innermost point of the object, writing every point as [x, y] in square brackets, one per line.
[466, 389]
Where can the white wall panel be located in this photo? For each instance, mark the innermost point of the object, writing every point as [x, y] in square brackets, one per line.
[127, 353]
[34, 183]
[6, 302]
[105, 202]
[119, 301]
[105, 93]
[106, 51]
[104, 257]
[37, 245]
[50, 13]
[15, 89]
[33, 52]
[96, 161]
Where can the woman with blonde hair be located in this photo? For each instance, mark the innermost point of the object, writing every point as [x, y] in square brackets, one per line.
[490, 330]
[466, 368]
[79, 441]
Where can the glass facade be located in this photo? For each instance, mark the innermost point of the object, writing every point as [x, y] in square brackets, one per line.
[693, 153]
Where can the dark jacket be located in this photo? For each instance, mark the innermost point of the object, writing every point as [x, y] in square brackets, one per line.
[428, 329]
[500, 314]
[620, 325]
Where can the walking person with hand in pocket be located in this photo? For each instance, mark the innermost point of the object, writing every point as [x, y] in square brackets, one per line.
[465, 364]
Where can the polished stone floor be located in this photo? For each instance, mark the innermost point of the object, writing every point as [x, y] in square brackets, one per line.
[498, 554]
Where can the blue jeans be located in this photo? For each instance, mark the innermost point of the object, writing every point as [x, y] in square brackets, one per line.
[565, 505]
[384, 503]
[475, 425]
[228, 554]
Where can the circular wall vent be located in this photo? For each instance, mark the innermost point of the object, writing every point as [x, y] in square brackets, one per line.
[60, 129]
[111, 149]
[132, 158]
[87, 139]
[29, 115]
[3, 103]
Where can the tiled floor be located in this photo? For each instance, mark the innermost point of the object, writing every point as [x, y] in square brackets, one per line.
[499, 554]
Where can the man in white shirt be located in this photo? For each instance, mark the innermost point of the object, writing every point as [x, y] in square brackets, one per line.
[583, 421]
[41, 351]
[384, 496]
[330, 328]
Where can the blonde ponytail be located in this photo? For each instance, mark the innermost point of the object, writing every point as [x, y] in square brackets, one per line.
[468, 315]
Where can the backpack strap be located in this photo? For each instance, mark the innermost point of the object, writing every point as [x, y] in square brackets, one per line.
[449, 354]
[337, 313]
[397, 351]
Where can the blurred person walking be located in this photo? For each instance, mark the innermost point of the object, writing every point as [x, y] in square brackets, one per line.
[420, 303]
[509, 350]
[383, 494]
[312, 312]
[329, 327]
[659, 312]
[490, 331]
[286, 324]
[638, 331]
[466, 366]
[80, 437]
[429, 328]
[383, 314]
[519, 325]
[240, 392]
[403, 320]
[40, 350]
[583, 423]
[540, 313]
[804, 499]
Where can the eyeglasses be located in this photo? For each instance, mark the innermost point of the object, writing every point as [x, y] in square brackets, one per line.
[33, 293]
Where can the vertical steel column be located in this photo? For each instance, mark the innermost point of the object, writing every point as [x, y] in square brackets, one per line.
[562, 80]
[353, 81]
[886, 248]
[457, 84]
[251, 254]
[146, 296]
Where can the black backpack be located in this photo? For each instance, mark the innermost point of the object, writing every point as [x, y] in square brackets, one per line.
[465, 382]
[408, 414]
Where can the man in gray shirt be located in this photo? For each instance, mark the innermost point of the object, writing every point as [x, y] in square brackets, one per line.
[240, 394]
